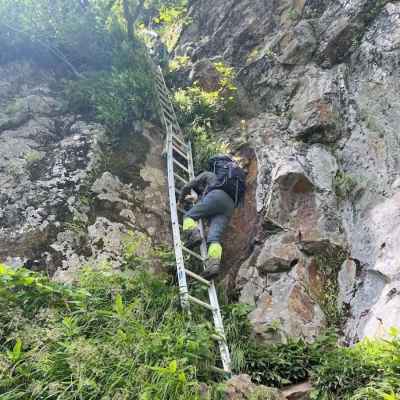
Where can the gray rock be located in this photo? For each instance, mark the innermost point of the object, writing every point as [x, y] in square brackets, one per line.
[347, 281]
[240, 387]
[60, 207]
[280, 254]
[300, 391]
[298, 45]
[322, 80]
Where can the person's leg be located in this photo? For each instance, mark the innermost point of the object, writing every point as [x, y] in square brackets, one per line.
[203, 209]
[216, 204]
[217, 227]
[218, 224]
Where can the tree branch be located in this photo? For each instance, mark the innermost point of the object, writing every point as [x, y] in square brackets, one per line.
[131, 18]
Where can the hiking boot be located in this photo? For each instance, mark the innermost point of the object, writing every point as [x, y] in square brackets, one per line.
[192, 238]
[212, 270]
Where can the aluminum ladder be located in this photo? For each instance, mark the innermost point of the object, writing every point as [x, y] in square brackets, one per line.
[178, 152]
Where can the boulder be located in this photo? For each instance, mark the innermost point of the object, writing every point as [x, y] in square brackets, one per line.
[240, 387]
[298, 392]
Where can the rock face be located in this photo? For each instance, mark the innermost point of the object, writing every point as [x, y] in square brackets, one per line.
[318, 86]
[67, 197]
[318, 89]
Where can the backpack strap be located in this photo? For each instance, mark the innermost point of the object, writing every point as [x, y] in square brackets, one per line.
[236, 192]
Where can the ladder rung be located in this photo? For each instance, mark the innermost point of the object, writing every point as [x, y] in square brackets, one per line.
[179, 151]
[159, 78]
[165, 104]
[164, 97]
[180, 165]
[194, 254]
[180, 178]
[178, 191]
[200, 302]
[171, 118]
[162, 91]
[183, 148]
[180, 140]
[218, 338]
[160, 86]
[200, 279]
[181, 210]
[177, 129]
[167, 109]
[168, 119]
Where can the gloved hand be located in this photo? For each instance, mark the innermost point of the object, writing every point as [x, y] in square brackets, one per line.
[191, 199]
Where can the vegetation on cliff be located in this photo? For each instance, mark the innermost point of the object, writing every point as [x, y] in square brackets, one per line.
[121, 335]
[97, 49]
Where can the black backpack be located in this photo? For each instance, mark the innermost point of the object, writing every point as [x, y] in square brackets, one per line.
[231, 177]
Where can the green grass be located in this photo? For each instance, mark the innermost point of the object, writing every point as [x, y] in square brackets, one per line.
[111, 335]
[121, 335]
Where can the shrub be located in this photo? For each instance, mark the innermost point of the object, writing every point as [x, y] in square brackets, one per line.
[344, 185]
[110, 335]
[205, 145]
[329, 264]
[278, 364]
[238, 332]
[171, 20]
[116, 99]
[202, 112]
[370, 371]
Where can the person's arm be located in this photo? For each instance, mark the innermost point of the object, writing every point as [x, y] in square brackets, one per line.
[200, 181]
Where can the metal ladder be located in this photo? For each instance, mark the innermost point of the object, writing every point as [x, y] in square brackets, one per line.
[180, 169]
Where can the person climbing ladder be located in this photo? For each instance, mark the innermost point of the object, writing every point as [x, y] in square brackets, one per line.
[222, 189]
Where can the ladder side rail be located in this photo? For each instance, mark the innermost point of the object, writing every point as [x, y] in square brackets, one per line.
[169, 99]
[163, 119]
[212, 292]
[183, 287]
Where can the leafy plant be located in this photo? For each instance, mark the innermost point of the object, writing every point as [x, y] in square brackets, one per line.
[113, 334]
[293, 14]
[202, 112]
[238, 332]
[32, 157]
[116, 98]
[326, 294]
[171, 20]
[179, 62]
[369, 370]
[344, 185]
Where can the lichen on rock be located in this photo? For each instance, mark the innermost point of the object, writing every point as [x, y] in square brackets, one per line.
[68, 198]
[318, 92]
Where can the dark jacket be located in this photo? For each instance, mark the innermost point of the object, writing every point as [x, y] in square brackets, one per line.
[199, 184]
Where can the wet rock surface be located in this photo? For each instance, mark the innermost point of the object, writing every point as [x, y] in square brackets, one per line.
[320, 81]
[67, 197]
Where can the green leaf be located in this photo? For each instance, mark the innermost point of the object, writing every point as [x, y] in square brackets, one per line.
[119, 305]
[16, 353]
[173, 365]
